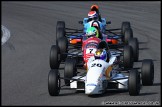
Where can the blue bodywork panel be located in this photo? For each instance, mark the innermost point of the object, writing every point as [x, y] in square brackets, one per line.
[102, 25]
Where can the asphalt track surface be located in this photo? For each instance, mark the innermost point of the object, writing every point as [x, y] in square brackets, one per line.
[25, 56]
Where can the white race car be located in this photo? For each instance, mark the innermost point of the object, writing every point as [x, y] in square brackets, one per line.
[102, 75]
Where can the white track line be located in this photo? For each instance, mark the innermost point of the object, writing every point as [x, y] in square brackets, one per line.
[5, 34]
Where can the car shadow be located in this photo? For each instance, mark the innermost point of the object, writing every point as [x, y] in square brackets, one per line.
[154, 60]
[136, 68]
[156, 84]
[143, 48]
[61, 68]
[9, 46]
[71, 91]
[109, 93]
[142, 42]
[145, 94]
[67, 94]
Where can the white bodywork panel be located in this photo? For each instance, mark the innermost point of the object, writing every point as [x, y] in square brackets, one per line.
[95, 81]
[74, 83]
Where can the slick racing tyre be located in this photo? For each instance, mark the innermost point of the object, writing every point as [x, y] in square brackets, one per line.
[124, 26]
[54, 57]
[127, 57]
[54, 82]
[133, 42]
[134, 83]
[70, 70]
[60, 24]
[147, 72]
[60, 29]
[127, 35]
[60, 33]
[63, 45]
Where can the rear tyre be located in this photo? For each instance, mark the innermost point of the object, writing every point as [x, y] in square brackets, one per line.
[54, 82]
[134, 83]
[60, 24]
[124, 26]
[128, 33]
[133, 42]
[70, 70]
[54, 57]
[147, 72]
[127, 57]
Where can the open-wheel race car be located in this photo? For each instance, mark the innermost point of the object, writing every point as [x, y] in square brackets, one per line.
[99, 75]
[66, 37]
[83, 53]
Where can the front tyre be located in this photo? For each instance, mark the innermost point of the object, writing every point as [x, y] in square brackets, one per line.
[134, 83]
[124, 26]
[54, 82]
[60, 33]
[54, 57]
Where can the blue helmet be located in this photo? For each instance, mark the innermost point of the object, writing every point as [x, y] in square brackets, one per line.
[101, 54]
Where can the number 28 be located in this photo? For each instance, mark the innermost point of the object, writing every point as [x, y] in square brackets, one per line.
[98, 65]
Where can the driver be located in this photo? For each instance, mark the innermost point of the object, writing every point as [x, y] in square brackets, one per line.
[96, 8]
[92, 32]
[92, 15]
[101, 54]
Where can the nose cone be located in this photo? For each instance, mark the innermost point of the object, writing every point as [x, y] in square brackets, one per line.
[92, 89]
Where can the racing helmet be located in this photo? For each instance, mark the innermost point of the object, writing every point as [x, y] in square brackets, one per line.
[94, 7]
[93, 15]
[91, 32]
[101, 54]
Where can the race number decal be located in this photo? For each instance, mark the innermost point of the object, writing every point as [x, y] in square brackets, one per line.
[90, 51]
[98, 65]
